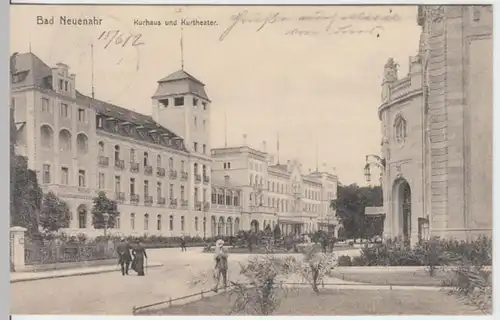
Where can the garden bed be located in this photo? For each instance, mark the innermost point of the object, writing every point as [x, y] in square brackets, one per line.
[262, 250]
[337, 302]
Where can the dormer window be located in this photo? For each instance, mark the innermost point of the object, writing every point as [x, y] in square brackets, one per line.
[19, 77]
[204, 105]
[195, 102]
[179, 101]
[60, 84]
[164, 103]
[99, 122]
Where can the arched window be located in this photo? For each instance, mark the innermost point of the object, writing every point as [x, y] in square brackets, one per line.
[132, 221]
[146, 160]
[82, 216]
[196, 223]
[182, 223]
[158, 222]
[229, 196]
[400, 129]
[229, 227]
[236, 199]
[117, 221]
[132, 156]
[158, 161]
[236, 225]
[171, 163]
[64, 140]
[117, 153]
[146, 222]
[213, 226]
[220, 227]
[171, 223]
[82, 145]
[47, 136]
[102, 150]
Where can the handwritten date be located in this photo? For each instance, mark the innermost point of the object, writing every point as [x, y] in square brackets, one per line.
[118, 38]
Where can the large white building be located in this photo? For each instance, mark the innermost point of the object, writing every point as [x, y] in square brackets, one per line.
[161, 169]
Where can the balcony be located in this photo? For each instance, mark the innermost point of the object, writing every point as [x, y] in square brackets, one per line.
[134, 198]
[184, 204]
[206, 179]
[103, 161]
[148, 170]
[172, 203]
[148, 200]
[172, 174]
[120, 196]
[161, 201]
[197, 178]
[120, 164]
[160, 172]
[134, 167]
[184, 175]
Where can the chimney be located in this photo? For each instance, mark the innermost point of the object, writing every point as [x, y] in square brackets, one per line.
[264, 146]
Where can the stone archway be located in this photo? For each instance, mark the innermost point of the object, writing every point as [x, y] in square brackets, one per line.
[402, 197]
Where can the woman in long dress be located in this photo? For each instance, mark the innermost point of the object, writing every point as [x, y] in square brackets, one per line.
[139, 254]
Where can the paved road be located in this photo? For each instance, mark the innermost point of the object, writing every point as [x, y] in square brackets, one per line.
[111, 293]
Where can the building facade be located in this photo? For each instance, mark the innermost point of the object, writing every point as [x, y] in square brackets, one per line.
[437, 129]
[158, 168]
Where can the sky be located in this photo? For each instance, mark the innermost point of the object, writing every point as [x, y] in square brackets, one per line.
[315, 83]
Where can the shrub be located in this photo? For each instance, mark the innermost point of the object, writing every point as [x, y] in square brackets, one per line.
[344, 261]
[358, 261]
[433, 254]
[316, 265]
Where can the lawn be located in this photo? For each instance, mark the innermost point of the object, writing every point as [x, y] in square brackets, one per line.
[394, 277]
[337, 302]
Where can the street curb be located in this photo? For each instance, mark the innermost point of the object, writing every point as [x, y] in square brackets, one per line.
[83, 273]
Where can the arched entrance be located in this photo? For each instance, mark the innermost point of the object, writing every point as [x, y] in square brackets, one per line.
[402, 193]
[254, 225]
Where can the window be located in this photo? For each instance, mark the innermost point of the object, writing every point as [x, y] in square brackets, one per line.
[146, 161]
[132, 186]
[13, 103]
[204, 170]
[117, 221]
[132, 221]
[158, 190]
[118, 184]
[204, 105]
[132, 155]
[64, 110]
[64, 176]
[117, 153]
[204, 195]
[158, 161]
[196, 223]
[99, 122]
[100, 151]
[146, 222]
[182, 193]
[204, 149]
[204, 124]
[46, 173]
[158, 222]
[81, 178]
[60, 84]
[65, 85]
[179, 101]
[45, 105]
[182, 223]
[81, 115]
[195, 122]
[195, 146]
[102, 182]
[400, 129]
[82, 218]
[195, 168]
[195, 195]
[171, 163]
[146, 188]
[195, 102]
[229, 165]
[171, 223]
[171, 192]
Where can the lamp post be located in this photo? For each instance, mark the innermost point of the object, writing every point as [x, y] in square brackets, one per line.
[374, 160]
[105, 216]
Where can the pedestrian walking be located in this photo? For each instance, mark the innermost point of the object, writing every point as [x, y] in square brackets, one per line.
[183, 244]
[221, 265]
[139, 254]
[124, 256]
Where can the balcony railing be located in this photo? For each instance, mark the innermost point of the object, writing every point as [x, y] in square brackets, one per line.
[160, 172]
[172, 203]
[197, 178]
[120, 164]
[103, 161]
[184, 204]
[148, 170]
[148, 200]
[184, 175]
[134, 166]
[161, 200]
[134, 198]
[206, 179]
[120, 196]
[172, 174]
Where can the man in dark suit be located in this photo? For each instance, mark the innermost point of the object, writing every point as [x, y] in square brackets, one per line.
[124, 255]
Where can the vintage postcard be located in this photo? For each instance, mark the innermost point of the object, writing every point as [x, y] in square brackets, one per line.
[251, 160]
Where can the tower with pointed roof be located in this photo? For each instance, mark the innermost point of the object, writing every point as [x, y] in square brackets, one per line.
[181, 104]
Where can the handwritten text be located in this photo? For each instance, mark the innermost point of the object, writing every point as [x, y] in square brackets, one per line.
[116, 37]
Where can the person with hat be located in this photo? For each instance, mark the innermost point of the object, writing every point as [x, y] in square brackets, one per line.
[124, 257]
[221, 264]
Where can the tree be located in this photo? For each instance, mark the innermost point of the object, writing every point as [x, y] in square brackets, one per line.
[350, 207]
[102, 205]
[54, 214]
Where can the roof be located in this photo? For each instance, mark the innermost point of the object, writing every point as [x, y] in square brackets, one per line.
[36, 73]
[180, 75]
